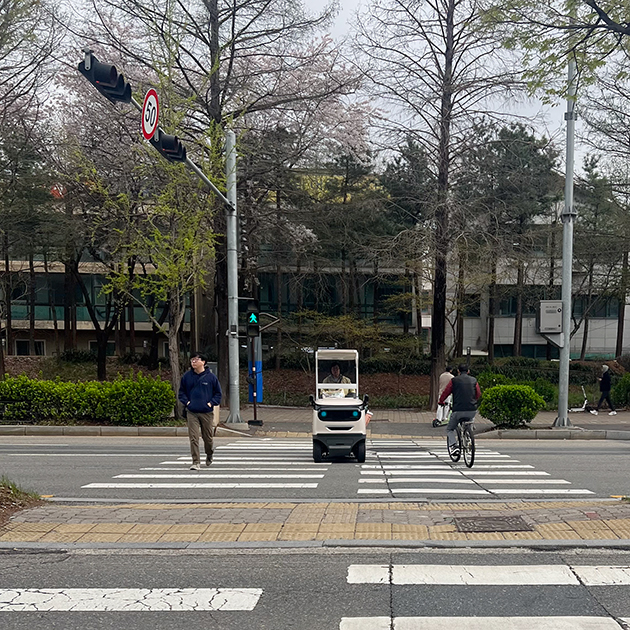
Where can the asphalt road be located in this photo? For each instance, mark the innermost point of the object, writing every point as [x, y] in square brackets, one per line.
[157, 469]
[299, 590]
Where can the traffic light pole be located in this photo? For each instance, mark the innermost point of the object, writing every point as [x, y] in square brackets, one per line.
[234, 418]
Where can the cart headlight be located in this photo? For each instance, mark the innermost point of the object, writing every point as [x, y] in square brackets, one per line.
[355, 414]
[323, 414]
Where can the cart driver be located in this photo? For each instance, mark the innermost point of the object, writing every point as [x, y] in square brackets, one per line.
[336, 376]
[466, 393]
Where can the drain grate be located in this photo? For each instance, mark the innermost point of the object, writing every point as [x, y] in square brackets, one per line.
[481, 524]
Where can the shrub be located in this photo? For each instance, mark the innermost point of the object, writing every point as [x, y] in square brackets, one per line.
[510, 405]
[136, 401]
[78, 356]
[620, 393]
[545, 389]
[491, 379]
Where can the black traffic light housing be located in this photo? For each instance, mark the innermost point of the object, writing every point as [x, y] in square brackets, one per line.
[253, 319]
[105, 78]
[169, 147]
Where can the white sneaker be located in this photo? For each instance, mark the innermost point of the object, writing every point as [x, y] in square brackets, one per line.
[594, 412]
[612, 413]
[195, 467]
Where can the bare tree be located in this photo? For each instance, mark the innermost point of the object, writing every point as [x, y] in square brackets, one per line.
[436, 68]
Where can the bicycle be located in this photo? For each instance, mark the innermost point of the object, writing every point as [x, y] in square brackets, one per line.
[465, 443]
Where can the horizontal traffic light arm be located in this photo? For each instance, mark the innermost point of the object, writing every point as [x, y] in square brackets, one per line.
[192, 166]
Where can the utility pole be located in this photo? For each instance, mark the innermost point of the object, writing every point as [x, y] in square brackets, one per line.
[230, 167]
[568, 216]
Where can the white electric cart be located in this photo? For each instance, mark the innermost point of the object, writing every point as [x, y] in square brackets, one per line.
[339, 415]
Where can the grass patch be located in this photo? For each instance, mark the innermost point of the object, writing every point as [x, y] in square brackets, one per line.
[13, 499]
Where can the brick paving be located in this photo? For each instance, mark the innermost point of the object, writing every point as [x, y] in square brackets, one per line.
[597, 520]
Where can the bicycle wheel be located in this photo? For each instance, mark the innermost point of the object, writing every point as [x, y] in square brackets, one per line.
[468, 444]
[456, 452]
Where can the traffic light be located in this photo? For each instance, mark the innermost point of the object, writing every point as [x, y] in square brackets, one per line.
[253, 320]
[105, 78]
[169, 147]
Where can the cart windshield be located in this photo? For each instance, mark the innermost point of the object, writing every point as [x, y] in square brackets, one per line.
[337, 377]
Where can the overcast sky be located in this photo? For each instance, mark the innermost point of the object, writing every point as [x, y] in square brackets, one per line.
[549, 120]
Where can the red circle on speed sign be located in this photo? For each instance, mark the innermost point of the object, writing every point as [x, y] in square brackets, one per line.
[150, 114]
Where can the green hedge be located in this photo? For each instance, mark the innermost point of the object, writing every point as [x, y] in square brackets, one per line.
[510, 405]
[138, 401]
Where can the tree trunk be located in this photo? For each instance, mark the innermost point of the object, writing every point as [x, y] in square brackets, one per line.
[52, 305]
[492, 309]
[585, 326]
[222, 316]
[459, 321]
[438, 315]
[278, 348]
[31, 304]
[517, 345]
[101, 355]
[69, 308]
[132, 326]
[623, 293]
[177, 309]
[8, 293]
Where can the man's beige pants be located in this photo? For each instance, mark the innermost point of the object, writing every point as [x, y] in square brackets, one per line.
[203, 423]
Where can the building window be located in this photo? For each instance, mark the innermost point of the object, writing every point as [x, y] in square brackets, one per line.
[472, 305]
[601, 307]
[111, 348]
[23, 349]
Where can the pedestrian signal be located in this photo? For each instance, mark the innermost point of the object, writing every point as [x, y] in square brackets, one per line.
[253, 319]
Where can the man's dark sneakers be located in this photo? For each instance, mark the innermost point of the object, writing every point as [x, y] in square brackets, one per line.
[208, 460]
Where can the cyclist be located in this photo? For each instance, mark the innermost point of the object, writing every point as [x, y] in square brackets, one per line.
[466, 393]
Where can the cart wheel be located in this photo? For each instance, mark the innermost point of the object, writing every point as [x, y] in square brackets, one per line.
[359, 451]
[435, 423]
[318, 452]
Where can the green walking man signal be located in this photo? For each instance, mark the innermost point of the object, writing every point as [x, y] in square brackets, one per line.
[253, 324]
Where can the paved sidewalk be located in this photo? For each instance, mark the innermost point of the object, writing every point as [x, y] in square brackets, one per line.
[595, 523]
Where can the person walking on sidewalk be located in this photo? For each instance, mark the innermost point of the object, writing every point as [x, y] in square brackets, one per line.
[199, 392]
[604, 388]
[466, 393]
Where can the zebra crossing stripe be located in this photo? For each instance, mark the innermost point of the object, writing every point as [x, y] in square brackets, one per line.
[129, 599]
[421, 491]
[479, 623]
[213, 476]
[195, 486]
[467, 575]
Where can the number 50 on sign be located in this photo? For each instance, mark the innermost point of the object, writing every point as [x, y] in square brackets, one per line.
[150, 114]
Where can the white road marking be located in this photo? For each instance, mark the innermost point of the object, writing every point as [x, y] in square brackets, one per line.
[128, 599]
[534, 481]
[196, 486]
[283, 462]
[540, 491]
[469, 575]
[418, 480]
[249, 468]
[479, 623]
[602, 576]
[209, 475]
[421, 491]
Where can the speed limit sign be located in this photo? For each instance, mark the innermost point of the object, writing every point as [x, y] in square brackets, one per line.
[150, 114]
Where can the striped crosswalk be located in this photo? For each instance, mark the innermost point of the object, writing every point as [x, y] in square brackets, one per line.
[470, 576]
[265, 464]
[414, 468]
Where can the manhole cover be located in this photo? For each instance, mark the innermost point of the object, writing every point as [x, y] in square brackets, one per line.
[491, 524]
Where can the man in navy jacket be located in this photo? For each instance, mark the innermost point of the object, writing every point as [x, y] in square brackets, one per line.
[199, 392]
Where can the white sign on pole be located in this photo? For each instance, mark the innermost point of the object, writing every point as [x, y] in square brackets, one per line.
[150, 114]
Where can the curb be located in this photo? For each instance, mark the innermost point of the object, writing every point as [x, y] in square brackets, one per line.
[224, 431]
[337, 544]
[107, 431]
